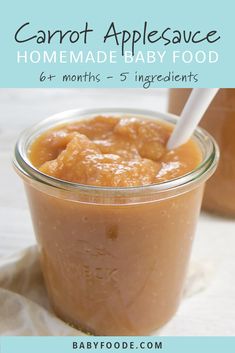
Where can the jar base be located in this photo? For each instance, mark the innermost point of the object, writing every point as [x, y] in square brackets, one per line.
[91, 332]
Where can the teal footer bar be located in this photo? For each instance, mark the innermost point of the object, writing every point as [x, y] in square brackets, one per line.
[117, 344]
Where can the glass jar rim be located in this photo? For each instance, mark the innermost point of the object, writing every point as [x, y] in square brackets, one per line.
[198, 175]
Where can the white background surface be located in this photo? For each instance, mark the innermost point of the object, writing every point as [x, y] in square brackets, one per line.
[209, 304]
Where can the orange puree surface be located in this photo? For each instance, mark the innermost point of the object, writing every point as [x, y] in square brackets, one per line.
[112, 151]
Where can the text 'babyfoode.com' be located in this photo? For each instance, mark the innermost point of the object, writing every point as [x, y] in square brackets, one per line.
[117, 345]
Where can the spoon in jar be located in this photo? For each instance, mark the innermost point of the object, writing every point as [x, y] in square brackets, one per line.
[198, 102]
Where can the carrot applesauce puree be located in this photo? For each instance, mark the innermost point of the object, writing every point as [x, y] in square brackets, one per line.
[113, 266]
[112, 151]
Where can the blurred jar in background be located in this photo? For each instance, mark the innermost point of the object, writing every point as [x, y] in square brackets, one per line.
[219, 121]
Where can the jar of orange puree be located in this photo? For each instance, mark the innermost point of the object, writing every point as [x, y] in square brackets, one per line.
[219, 121]
[114, 214]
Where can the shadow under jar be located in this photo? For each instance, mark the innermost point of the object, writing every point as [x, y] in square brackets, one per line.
[114, 259]
[219, 121]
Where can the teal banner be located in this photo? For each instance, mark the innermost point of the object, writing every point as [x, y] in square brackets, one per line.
[117, 344]
[103, 43]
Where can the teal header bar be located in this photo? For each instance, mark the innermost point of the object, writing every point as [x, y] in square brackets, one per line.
[117, 344]
[130, 43]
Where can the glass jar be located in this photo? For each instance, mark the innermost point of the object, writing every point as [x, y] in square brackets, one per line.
[219, 121]
[114, 259]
